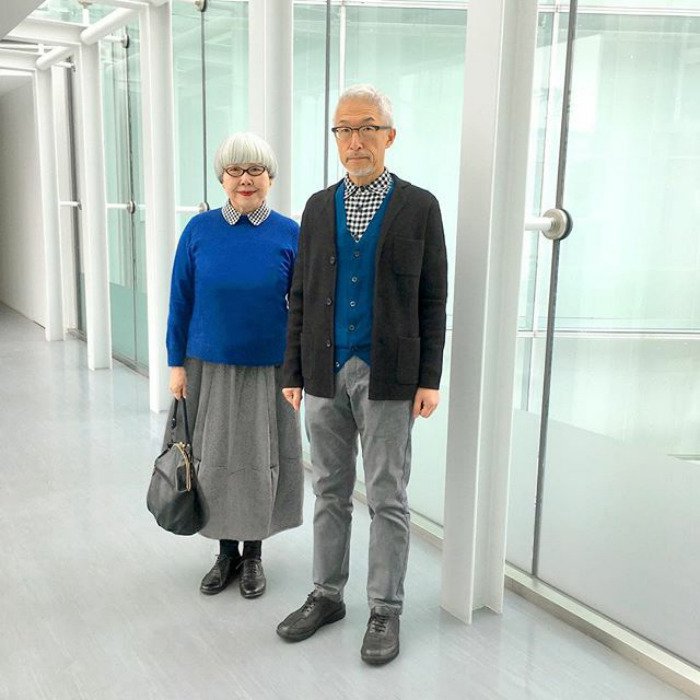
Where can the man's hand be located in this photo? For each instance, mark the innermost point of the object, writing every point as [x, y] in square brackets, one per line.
[425, 402]
[178, 382]
[293, 395]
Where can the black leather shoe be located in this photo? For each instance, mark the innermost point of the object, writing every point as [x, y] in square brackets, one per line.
[313, 614]
[221, 574]
[381, 642]
[252, 583]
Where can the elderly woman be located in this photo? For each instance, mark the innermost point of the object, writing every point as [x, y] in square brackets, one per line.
[226, 337]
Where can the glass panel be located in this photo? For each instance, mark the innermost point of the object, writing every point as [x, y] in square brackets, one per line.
[115, 121]
[135, 109]
[309, 125]
[546, 112]
[63, 10]
[140, 294]
[118, 181]
[121, 289]
[647, 5]
[70, 11]
[631, 174]
[189, 120]
[416, 56]
[182, 220]
[121, 86]
[78, 231]
[138, 218]
[621, 472]
[226, 69]
[534, 289]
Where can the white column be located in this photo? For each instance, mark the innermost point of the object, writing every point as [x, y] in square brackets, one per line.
[499, 61]
[48, 177]
[159, 177]
[94, 213]
[270, 29]
[60, 78]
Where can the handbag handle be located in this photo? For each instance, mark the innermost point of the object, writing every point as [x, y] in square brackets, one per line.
[173, 422]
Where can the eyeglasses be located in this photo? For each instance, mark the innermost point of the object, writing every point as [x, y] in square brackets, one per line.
[366, 132]
[237, 171]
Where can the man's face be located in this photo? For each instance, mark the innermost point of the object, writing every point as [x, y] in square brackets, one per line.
[362, 156]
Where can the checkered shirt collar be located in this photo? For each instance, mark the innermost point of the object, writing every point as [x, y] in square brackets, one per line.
[255, 217]
[363, 201]
[378, 186]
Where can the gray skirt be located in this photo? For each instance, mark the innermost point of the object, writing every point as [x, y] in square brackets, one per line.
[248, 441]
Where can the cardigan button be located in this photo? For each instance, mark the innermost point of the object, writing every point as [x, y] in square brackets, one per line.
[328, 343]
[353, 303]
[356, 254]
[331, 260]
[329, 301]
[353, 280]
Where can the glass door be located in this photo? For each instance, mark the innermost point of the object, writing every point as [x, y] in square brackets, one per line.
[606, 441]
[125, 211]
[210, 68]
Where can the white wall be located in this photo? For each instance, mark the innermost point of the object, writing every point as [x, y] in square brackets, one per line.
[22, 285]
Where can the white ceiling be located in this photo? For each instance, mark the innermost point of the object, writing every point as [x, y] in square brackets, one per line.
[12, 12]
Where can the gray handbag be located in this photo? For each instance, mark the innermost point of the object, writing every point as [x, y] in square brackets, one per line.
[172, 494]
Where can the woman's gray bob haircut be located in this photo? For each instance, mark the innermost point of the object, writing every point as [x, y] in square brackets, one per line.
[244, 147]
[371, 94]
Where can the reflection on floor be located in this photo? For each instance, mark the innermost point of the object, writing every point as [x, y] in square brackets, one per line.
[97, 602]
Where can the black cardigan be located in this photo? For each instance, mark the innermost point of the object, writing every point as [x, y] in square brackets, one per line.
[410, 293]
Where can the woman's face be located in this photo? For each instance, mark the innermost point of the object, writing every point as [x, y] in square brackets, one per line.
[246, 192]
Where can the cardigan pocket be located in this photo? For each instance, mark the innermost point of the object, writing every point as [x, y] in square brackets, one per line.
[407, 256]
[307, 354]
[408, 360]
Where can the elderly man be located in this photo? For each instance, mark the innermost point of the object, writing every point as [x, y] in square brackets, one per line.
[365, 340]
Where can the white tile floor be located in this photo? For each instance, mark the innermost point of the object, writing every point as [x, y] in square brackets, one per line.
[97, 602]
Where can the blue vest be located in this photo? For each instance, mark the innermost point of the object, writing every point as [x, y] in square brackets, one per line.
[354, 288]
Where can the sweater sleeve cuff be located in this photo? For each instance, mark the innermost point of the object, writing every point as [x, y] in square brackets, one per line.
[176, 359]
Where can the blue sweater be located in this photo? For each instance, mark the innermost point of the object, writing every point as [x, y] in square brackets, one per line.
[354, 288]
[228, 295]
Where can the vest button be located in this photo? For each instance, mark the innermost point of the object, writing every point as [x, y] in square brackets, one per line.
[356, 254]
[331, 260]
[328, 343]
[353, 279]
[351, 327]
[353, 303]
[329, 301]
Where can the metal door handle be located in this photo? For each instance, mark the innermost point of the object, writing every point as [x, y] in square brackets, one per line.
[555, 224]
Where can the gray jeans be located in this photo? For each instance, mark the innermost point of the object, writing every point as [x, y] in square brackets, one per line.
[384, 427]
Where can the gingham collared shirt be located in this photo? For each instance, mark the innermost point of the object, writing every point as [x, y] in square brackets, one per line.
[363, 201]
[255, 217]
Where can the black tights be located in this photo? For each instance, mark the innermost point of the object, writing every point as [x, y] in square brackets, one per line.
[252, 549]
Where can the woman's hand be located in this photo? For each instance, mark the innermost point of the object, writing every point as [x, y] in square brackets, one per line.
[178, 382]
[293, 395]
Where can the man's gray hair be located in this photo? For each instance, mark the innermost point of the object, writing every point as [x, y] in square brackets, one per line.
[244, 147]
[370, 94]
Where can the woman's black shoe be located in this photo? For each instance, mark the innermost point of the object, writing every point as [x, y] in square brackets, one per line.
[221, 574]
[253, 582]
